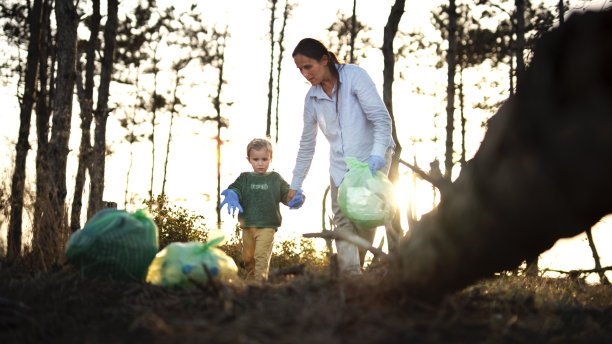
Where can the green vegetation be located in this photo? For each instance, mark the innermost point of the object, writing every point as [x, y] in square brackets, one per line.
[176, 224]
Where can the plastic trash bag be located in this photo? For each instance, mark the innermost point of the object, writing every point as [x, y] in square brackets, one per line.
[365, 199]
[114, 244]
[179, 263]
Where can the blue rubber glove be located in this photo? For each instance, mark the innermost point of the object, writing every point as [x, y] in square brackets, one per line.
[297, 201]
[376, 162]
[232, 202]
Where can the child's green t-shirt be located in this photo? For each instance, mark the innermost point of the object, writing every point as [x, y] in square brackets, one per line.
[259, 196]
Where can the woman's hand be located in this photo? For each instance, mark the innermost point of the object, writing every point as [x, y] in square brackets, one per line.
[295, 199]
[375, 163]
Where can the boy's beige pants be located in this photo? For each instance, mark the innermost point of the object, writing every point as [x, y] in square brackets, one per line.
[257, 246]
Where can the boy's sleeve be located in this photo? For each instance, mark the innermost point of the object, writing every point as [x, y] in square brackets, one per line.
[284, 190]
[237, 185]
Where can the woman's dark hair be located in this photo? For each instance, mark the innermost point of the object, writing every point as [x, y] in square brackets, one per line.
[314, 49]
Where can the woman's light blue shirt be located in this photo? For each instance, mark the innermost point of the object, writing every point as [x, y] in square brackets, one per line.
[361, 127]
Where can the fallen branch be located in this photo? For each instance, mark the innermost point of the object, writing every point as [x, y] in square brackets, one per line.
[211, 281]
[352, 238]
[579, 272]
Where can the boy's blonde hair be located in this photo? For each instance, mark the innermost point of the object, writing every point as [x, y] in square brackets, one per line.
[258, 144]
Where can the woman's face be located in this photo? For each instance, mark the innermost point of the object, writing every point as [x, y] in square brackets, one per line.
[314, 71]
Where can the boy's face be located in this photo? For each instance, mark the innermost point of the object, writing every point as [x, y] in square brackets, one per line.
[260, 160]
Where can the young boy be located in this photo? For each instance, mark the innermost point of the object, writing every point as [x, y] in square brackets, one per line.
[256, 195]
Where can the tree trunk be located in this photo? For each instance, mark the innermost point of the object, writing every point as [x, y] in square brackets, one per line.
[561, 10]
[451, 60]
[281, 50]
[23, 146]
[153, 118]
[101, 113]
[127, 176]
[532, 265]
[131, 122]
[42, 203]
[172, 113]
[86, 102]
[353, 32]
[463, 120]
[67, 22]
[220, 55]
[511, 70]
[394, 231]
[271, 78]
[520, 37]
[527, 185]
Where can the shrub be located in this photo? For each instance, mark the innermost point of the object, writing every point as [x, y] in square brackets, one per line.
[294, 252]
[176, 224]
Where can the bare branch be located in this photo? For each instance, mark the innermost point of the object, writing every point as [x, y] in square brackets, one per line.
[352, 238]
[435, 179]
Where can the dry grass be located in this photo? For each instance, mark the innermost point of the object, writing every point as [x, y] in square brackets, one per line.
[61, 306]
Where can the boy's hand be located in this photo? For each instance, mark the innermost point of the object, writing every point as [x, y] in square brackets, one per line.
[297, 200]
[376, 162]
[232, 202]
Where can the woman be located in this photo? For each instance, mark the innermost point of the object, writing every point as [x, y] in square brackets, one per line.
[344, 103]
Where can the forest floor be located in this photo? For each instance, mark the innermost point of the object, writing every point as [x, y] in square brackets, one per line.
[60, 306]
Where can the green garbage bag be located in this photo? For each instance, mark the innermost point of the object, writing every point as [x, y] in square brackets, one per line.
[114, 244]
[181, 262]
[365, 199]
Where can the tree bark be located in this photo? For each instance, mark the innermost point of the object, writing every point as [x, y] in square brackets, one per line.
[42, 205]
[67, 21]
[463, 159]
[101, 113]
[153, 118]
[86, 102]
[172, 113]
[520, 37]
[394, 231]
[23, 146]
[561, 10]
[532, 265]
[533, 180]
[281, 50]
[451, 60]
[220, 55]
[353, 32]
[131, 122]
[271, 78]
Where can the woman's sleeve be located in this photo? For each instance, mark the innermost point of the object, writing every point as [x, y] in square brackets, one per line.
[375, 111]
[307, 145]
